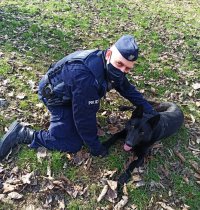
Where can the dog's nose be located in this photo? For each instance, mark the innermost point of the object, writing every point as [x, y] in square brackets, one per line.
[127, 147]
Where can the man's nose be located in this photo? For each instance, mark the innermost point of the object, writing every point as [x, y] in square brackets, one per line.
[123, 69]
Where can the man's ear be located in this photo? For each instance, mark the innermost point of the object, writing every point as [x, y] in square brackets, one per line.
[108, 54]
[138, 112]
[154, 121]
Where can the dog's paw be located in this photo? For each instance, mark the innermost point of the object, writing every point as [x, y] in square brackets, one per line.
[124, 178]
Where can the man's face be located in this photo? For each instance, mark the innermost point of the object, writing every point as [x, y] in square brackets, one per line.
[118, 61]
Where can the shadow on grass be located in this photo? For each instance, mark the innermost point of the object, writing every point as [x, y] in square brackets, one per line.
[34, 34]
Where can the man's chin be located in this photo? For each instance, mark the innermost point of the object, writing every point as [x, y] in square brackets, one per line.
[127, 147]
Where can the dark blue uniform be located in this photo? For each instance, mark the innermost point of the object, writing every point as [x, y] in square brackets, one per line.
[77, 86]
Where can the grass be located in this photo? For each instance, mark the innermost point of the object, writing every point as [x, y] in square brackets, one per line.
[38, 33]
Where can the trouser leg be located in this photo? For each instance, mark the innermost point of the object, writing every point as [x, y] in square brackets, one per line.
[62, 134]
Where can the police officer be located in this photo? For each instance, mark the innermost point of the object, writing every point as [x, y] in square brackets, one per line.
[71, 90]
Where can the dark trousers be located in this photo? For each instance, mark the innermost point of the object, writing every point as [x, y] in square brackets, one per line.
[62, 134]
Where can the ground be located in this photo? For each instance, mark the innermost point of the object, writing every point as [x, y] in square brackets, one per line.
[35, 34]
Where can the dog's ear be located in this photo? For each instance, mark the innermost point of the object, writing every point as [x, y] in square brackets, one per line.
[138, 112]
[154, 121]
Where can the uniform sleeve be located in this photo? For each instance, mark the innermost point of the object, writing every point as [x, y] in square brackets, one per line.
[128, 91]
[85, 102]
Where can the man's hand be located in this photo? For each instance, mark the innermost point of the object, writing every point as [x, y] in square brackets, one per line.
[103, 152]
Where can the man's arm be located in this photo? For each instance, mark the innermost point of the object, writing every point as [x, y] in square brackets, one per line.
[85, 102]
[128, 91]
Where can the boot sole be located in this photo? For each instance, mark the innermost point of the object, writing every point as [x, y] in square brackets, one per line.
[12, 127]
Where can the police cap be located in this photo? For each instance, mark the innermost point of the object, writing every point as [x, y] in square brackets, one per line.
[128, 47]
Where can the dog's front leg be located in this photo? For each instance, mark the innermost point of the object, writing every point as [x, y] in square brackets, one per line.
[141, 152]
[114, 138]
[125, 177]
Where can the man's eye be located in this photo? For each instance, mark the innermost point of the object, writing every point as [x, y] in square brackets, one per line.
[119, 64]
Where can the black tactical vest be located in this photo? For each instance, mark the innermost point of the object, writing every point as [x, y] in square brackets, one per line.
[53, 91]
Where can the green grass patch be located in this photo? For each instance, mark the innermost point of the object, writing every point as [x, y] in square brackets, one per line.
[152, 169]
[139, 197]
[72, 173]
[188, 192]
[57, 163]
[4, 68]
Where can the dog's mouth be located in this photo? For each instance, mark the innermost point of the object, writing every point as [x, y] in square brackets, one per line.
[127, 147]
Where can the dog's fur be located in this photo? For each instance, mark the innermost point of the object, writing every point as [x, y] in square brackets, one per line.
[143, 130]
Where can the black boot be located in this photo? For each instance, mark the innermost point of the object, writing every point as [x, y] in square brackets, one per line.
[17, 134]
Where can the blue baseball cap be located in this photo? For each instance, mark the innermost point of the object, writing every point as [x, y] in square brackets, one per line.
[127, 47]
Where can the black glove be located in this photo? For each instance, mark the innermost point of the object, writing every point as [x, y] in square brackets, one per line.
[102, 152]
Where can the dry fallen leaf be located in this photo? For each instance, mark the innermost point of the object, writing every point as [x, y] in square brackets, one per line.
[197, 103]
[139, 184]
[15, 170]
[15, 195]
[108, 173]
[30, 207]
[196, 86]
[69, 156]
[112, 184]
[39, 105]
[185, 207]
[136, 178]
[26, 178]
[100, 132]
[198, 140]
[1, 54]
[133, 207]
[80, 157]
[1, 169]
[49, 172]
[73, 193]
[2, 197]
[112, 129]
[165, 206]
[41, 154]
[61, 204]
[197, 176]
[8, 187]
[87, 163]
[120, 205]
[83, 191]
[125, 190]
[192, 118]
[103, 193]
[111, 195]
[21, 96]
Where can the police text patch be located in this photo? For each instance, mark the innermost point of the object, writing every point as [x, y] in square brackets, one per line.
[93, 102]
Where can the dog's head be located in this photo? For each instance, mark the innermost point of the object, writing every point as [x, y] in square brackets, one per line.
[139, 128]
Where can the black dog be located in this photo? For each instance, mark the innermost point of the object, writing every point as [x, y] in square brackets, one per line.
[143, 130]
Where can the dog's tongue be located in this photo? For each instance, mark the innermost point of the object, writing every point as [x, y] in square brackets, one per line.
[127, 148]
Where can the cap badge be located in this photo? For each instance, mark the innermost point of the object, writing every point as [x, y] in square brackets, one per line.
[131, 57]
